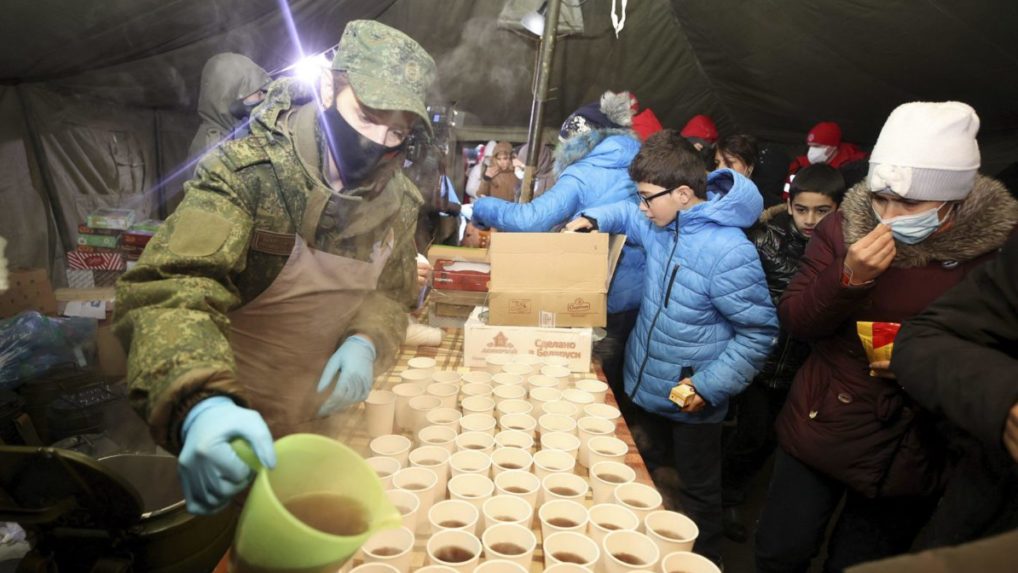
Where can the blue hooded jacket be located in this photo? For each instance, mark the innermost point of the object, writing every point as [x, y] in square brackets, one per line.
[599, 175]
[706, 311]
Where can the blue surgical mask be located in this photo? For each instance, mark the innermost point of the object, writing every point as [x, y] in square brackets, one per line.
[911, 229]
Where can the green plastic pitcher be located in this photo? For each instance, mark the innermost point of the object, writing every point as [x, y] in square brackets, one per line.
[309, 468]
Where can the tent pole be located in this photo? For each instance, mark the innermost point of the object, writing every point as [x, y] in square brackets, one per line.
[543, 71]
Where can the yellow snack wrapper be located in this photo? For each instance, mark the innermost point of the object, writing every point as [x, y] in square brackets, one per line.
[877, 339]
[680, 394]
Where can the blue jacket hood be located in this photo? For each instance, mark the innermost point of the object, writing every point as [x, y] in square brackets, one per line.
[732, 201]
[598, 148]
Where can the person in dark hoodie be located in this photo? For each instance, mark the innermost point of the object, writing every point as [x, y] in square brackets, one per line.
[780, 238]
[592, 162]
[921, 220]
[231, 86]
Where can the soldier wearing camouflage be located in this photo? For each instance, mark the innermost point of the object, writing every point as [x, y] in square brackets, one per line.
[255, 203]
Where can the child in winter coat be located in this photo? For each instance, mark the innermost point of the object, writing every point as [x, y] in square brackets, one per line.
[706, 320]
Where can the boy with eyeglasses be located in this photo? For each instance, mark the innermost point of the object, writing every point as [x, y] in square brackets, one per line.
[706, 322]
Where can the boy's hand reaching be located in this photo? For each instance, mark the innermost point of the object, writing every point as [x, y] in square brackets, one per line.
[694, 403]
[580, 225]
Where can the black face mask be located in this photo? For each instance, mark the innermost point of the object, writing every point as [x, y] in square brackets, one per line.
[355, 155]
[241, 110]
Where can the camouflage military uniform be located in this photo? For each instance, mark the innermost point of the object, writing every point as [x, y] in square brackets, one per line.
[230, 238]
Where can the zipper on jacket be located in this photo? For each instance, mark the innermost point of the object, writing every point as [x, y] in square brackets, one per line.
[671, 283]
[660, 307]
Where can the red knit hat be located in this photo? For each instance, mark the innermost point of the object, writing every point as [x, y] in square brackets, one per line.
[701, 127]
[646, 124]
[824, 133]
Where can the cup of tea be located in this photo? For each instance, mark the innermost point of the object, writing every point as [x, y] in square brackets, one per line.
[578, 397]
[564, 486]
[421, 481]
[499, 566]
[478, 422]
[549, 423]
[596, 388]
[671, 530]
[470, 462]
[605, 411]
[627, 550]
[566, 568]
[547, 462]
[561, 375]
[508, 392]
[446, 417]
[477, 377]
[321, 503]
[606, 449]
[507, 379]
[384, 466]
[562, 515]
[605, 477]
[523, 422]
[393, 547]
[392, 446]
[424, 363]
[459, 550]
[608, 517]
[472, 488]
[506, 407]
[474, 390]
[510, 459]
[687, 562]
[436, 569]
[453, 514]
[590, 427]
[478, 405]
[507, 509]
[495, 362]
[446, 377]
[518, 369]
[570, 547]
[639, 498]
[541, 396]
[408, 505]
[374, 568]
[509, 541]
[441, 436]
[446, 393]
[561, 441]
[413, 376]
[524, 485]
[475, 441]
[561, 407]
[514, 439]
[436, 459]
[541, 381]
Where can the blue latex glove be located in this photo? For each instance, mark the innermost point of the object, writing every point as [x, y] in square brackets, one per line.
[210, 471]
[354, 362]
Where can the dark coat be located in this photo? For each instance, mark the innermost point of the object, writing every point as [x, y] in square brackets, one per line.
[861, 430]
[959, 359]
[781, 247]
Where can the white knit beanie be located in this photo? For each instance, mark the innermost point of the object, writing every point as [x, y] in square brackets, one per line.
[927, 151]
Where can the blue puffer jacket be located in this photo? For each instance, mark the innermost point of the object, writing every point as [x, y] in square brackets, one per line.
[596, 173]
[706, 309]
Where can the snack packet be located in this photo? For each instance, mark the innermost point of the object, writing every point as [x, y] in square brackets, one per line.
[877, 339]
[681, 394]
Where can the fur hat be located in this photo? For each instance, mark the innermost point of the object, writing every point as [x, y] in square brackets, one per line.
[824, 133]
[700, 127]
[927, 151]
[614, 110]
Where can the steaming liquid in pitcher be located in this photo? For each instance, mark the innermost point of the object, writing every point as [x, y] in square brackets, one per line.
[327, 512]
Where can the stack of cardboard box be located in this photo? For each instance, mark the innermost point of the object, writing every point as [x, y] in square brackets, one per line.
[459, 282]
[107, 242]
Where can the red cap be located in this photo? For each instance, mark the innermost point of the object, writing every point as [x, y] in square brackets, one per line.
[646, 124]
[702, 127]
[824, 133]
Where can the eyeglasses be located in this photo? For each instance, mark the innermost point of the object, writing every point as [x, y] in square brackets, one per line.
[648, 198]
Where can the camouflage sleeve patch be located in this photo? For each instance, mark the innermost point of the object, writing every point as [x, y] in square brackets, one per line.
[198, 233]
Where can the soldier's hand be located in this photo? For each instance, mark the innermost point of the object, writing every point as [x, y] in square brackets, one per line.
[871, 255]
[350, 373]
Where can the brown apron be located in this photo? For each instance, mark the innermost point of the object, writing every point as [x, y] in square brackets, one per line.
[282, 339]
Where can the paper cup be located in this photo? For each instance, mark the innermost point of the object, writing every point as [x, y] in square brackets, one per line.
[471, 488]
[507, 509]
[562, 515]
[459, 550]
[419, 408]
[448, 417]
[541, 396]
[671, 531]
[380, 411]
[687, 562]
[639, 498]
[393, 547]
[521, 370]
[561, 407]
[564, 486]
[563, 441]
[508, 392]
[506, 407]
[436, 569]
[507, 379]
[510, 459]
[529, 359]
[555, 361]
[605, 411]
[608, 517]
[419, 377]
[441, 436]
[578, 397]
[420, 481]
[446, 393]
[521, 484]
[510, 542]
[476, 377]
[436, 459]
[408, 505]
[596, 388]
[606, 449]
[404, 392]
[499, 566]
[469, 462]
[479, 405]
[627, 550]
[570, 547]
[521, 422]
[453, 514]
[561, 568]
[446, 377]
[494, 362]
[375, 568]
[549, 423]
[392, 446]
[475, 389]
[547, 462]
[422, 363]
[605, 477]
[477, 441]
[484, 423]
[559, 373]
[385, 467]
[514, 439]
[541, 381]
[588, 428]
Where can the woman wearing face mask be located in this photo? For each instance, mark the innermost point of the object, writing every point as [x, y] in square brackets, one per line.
[919, 222]
[826, 146]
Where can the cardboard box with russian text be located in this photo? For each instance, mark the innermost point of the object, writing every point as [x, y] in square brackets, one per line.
[551, 279]
[481, 340]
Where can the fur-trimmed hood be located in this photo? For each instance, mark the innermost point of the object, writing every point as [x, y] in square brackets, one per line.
[979, 224]
[577, 147]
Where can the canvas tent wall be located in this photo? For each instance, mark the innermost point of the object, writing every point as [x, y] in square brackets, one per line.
[97, 98]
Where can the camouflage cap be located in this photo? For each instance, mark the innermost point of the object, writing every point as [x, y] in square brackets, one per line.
[387, 69]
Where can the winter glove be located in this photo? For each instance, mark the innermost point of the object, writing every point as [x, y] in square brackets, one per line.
[210, 471]
[354, 362]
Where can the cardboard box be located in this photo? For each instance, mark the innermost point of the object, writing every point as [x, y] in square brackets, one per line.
[551, 279]
[30, 289]
[105, 218]
[481, 340]
[460, 276]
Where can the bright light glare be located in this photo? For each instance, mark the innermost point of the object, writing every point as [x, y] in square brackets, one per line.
[309, 69]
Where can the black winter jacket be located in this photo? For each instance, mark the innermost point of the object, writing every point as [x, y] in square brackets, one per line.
[781, 247]
[959, 358]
